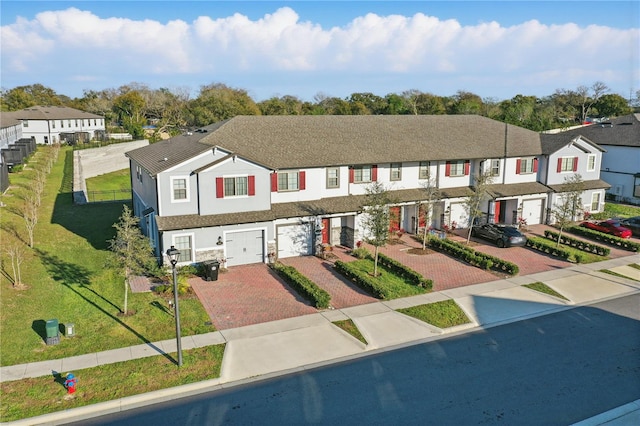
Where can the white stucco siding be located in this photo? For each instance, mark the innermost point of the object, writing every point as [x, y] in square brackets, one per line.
[511, 175]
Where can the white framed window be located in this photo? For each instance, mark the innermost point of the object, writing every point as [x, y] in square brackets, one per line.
[526, 165]
[62, 124]
[595, 202]
[139, 173]
[288, 181]
[591, 163]
[423, 170]
[53, 124]
[236, 186]
[179, 189]
[333, 177]
[456, 168]
[566, 164]
[395, 171]
[25, 123]
[495, 167]
[69, 123]
[183, 243]
[362, 174]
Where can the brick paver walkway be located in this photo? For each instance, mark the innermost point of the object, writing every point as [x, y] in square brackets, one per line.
[248, 294]
[343, 293]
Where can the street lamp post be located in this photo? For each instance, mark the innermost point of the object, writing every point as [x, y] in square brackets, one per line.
[174, 254]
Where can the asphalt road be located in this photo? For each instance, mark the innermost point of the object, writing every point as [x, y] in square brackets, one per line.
[555, 369]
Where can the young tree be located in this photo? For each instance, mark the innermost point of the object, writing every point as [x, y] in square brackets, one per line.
[30, 214]
[480, 191]
[15, 251]
[132, 251]
[431, 197]
[376, 218]
[568, 202]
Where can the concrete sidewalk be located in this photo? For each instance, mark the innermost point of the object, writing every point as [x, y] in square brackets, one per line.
[303, 342]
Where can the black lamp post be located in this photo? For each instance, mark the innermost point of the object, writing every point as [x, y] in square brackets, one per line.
[174, 254]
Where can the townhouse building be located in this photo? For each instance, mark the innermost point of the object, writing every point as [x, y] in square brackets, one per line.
[58, 124]
[620, 166]
[251, 187]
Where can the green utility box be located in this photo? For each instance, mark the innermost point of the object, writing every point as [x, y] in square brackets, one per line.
[53, 332]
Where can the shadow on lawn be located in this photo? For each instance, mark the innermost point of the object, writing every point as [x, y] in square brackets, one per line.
[76, 279]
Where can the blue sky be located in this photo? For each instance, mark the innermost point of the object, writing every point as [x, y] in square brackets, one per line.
[303, 48]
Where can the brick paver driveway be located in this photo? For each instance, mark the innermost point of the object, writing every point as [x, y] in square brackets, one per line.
[248, 294]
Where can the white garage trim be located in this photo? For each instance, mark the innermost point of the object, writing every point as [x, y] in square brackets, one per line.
[532, 211]
[245, 247]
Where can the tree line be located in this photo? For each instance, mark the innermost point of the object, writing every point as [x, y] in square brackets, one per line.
[171, 111]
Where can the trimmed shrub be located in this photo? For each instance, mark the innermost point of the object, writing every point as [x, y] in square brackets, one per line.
[362, 280]
[578, 244]
[605, 238]
[303, 285]
[405, 272]
[548, 247]
[473, 257]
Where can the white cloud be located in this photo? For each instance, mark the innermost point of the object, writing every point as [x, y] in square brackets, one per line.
[279, 42]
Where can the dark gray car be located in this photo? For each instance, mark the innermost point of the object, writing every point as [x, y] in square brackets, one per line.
[632, 223]
[501, 235]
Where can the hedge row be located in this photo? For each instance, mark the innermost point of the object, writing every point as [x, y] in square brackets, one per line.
[405, 272]
[577, 244]
[303, 285]
[362, 279]
[473, 257]
[548, 247]
[605, 238]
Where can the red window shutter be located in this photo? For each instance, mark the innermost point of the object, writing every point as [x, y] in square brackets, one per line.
[374, 173]
[219, 187]
[467, 167]
[559, 165]
[352, 175]
[252, 185]
[447, 169]
[575, 164]
[535, 165]
[274, 182]
[302, 178]
[518, 165]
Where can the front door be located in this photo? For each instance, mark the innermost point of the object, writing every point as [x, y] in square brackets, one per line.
[394, 219]
[325, 231]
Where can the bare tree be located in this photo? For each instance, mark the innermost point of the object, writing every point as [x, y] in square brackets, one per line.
[376, 218]
[587, 96]
[568, 202]
[15, 252]
[30, 214]
[474, 200]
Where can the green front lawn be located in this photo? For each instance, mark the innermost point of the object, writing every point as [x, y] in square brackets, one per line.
[41, 395]
[66, 279]
[442, 314]
[396, 287]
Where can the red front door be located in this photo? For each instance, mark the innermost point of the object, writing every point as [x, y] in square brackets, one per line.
[325, 231]
[394, 219]
[496, 213]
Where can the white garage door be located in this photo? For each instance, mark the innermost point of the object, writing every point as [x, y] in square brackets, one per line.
[459, 215]
[532, 211]
[294, 240]
[244, 247]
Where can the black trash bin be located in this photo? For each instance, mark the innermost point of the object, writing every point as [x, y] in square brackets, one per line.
[211, 268]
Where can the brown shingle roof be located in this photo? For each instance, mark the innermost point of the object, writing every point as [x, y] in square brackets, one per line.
[52, 113]
[515, 189]
[325, 206]
[587, 184]
[621, 131]
[281, 142]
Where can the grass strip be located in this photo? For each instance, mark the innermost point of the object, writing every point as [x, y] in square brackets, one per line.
[543, 288]
[616, 274]
[350, 327]
[442, 314]
[41, 395]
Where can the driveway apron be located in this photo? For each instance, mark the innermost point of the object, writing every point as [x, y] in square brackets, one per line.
[248, 294]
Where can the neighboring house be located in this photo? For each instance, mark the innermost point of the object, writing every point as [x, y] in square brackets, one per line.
[620, 167]
[254, 186]
[13, 147]
[565, 155]
[58, 124]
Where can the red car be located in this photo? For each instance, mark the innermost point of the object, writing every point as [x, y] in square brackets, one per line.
[611, 227]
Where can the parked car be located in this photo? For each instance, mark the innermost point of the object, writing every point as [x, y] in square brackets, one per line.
[611, 227]
[502, 235]
[632, 223]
